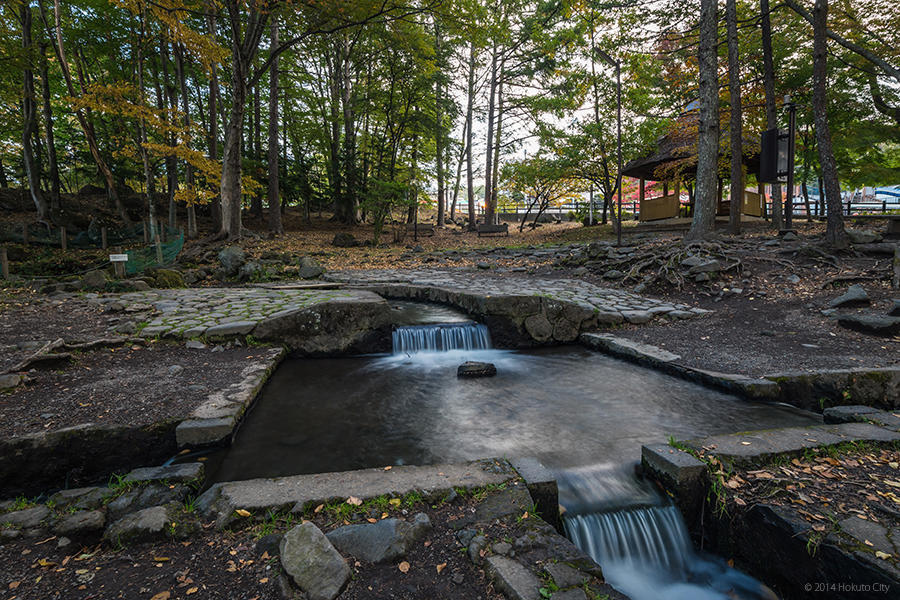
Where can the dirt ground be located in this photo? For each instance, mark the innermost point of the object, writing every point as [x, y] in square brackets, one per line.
[783, 330]
[231, 565]
[132, 385]
[824, 487]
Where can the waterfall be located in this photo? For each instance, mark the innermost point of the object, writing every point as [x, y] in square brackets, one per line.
[441, 337]
[641, 541]
[653, 538]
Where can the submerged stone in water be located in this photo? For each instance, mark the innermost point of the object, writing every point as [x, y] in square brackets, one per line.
[476, 369]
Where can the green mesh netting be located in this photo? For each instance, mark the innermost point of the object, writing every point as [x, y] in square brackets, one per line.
[89, 238]
[143, 258]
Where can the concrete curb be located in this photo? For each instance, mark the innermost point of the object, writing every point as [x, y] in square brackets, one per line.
[662, 360]
[878, 387]
[298, 492]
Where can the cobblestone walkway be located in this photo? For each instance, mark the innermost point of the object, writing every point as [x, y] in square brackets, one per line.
[608, 302]
[195, 312]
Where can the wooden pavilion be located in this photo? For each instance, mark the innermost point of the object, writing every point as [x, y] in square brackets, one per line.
[675, 162]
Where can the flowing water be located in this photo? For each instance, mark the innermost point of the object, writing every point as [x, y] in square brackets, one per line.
[581, 413]
[440, 338]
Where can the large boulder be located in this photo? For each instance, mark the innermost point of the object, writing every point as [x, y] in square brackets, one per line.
[167, 278]
[151, 524]
[854, 296]
[93, 280]
[251, 271]
[80, 523]
[344, 240]
[863, 236]
[27, 518]
[313, 563]
[232, 258]
[873, 324]
[310, 268]
[383, 541]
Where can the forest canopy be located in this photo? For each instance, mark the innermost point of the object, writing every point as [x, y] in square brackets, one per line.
[368, 108]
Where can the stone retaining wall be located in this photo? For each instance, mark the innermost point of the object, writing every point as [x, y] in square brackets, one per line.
[80, 455]
[770, 541]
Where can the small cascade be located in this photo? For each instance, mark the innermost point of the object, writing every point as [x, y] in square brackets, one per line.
[441, 337]
[641, 541]
[652, 538]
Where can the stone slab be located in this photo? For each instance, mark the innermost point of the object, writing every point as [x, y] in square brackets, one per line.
[231, 329]
[620, 346]
[752, 447]
[297, 492]
[541, 484]
[513, 579]
[172, 473]
[676, 465]
[203, 432]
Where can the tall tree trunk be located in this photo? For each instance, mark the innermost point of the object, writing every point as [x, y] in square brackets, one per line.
[438, 130]
[708, 127]
[231, 156]
[254, 144]
[834, 232]
[736, 130]
[771, 116]
[216, 210]
[186, 108]
[171, 97]
[495, 176]
[275, 225]
[470, 103]
[52, 161]
[4, 183]
[142, 127]
[243, 52]
[489, 150]
[351, 185]
[459, 163]
[335, 140]
[29, 119]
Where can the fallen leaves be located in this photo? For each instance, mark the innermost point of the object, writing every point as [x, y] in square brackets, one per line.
[441, 567]
[191, 590]
[404, 567]
[242, 513]
[353, 501]
[162, 596]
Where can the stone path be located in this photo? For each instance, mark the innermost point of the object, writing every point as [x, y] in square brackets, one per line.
[221, 312]
[609, 302]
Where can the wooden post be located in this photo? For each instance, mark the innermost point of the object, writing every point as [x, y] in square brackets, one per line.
[159, 248]
[719, 201]
[665, 188]
[63, 239]
[103, 243]
[146, 232]
[25, 232]
[761, 190]
[677, 194]
[4, 263]
[119, 266]
[641, 194]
